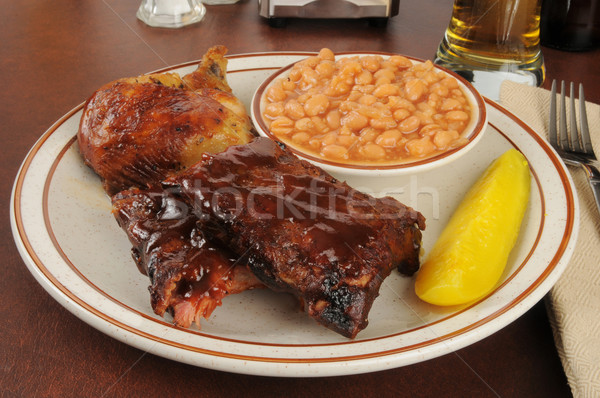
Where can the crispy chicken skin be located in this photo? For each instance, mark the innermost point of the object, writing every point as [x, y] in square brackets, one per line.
[189, 275]
[303, 231]
[135, 132]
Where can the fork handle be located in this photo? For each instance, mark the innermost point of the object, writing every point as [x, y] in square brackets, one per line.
[594, 180]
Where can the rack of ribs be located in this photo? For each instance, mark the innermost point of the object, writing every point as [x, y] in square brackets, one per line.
[301, 230]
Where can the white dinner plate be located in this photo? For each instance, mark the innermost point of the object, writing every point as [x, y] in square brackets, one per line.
[71, 243]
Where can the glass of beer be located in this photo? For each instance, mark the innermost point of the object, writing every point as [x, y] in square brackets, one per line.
[489, 41]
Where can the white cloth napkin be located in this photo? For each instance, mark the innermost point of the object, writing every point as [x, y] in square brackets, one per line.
[574, 302]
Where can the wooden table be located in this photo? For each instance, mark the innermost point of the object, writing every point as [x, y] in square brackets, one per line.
[54, 54]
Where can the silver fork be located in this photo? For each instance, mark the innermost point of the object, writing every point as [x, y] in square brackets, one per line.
[574, 148]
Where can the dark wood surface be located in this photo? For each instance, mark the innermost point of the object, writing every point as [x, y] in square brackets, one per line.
[54, 54]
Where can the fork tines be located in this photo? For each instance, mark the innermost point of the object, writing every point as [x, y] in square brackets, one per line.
[569, 139]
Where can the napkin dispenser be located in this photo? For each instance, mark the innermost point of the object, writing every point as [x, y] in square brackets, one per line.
[376, 11]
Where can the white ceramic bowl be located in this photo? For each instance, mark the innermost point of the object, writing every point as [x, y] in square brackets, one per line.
[472, 132]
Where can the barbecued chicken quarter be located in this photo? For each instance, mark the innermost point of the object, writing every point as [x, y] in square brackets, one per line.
[189, 274]
[303, 231]
[135, 132]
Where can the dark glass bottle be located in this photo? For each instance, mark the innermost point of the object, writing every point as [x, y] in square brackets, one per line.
[571, 25]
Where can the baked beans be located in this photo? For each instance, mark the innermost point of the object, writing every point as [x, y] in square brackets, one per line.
[367, 109]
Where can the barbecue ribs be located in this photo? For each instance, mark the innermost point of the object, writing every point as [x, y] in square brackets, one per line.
[303, 231]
